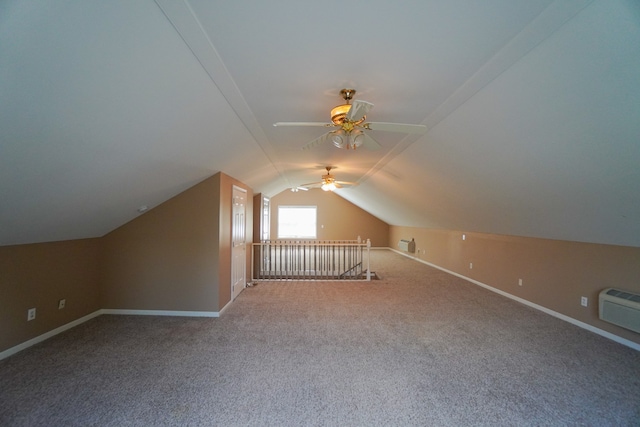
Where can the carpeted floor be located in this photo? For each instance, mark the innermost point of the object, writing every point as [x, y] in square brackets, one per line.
[418, 347]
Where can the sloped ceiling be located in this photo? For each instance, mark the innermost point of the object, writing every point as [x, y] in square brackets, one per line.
[532, 106]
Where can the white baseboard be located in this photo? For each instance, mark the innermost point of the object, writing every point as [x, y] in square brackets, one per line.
[224, 308]
[561, 316]
[13, 350]
[33, 341]
[160, 313]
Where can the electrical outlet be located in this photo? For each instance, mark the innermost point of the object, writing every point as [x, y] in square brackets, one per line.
[470, 266]
[519, 282]
[584, 301]
[464, 237]
[61, 304]
[31, 314]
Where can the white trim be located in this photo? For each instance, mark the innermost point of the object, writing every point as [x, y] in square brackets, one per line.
[33, 341]
[236, 225]
[160, 313]
[225, 307]
[236, 187]
[13, 350]
[560, 316]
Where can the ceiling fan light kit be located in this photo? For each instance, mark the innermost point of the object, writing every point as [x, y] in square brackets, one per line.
[328, 183]
[350, 119]
[347, 140]
[328, 186]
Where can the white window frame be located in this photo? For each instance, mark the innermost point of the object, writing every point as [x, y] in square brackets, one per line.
[265, 219]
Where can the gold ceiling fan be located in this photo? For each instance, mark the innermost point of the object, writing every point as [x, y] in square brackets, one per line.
[350, 121]
[328, 183]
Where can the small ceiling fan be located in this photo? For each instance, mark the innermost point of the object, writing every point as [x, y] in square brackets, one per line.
[328, 183]
[350, 119]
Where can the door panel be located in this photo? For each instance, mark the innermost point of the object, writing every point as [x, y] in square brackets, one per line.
[238, 242]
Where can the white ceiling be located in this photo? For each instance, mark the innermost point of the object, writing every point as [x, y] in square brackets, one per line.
[533, 110]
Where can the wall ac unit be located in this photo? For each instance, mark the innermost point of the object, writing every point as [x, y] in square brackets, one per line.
[620, 308]
[407, 245]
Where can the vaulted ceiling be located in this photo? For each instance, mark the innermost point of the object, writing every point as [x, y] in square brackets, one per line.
[532, 109]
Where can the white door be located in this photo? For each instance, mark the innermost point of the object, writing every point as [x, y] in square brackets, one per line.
[238, 244]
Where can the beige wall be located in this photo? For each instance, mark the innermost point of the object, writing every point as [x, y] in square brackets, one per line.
[39, 275]
[166, 259]
[176, 256]
[555, 274]
[341, 219]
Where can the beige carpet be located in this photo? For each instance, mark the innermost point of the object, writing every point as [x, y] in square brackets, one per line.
[418, 347]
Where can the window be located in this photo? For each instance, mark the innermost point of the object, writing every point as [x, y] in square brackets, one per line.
[266, 219]
[297, 222]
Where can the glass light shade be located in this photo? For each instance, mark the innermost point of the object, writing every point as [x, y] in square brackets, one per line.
[328, 186]
[356, 138]
[338, 139]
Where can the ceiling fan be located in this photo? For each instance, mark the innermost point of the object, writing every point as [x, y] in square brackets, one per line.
[328, 183]
[350, 119]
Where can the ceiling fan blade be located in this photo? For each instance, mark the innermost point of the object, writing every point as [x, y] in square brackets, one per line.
[343, 183]
[358, 110]
[303, 124]
[316, 141]
[369, 143]
[396, 127]
[311, 185]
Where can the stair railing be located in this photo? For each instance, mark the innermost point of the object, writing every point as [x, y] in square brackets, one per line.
[311, 260]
